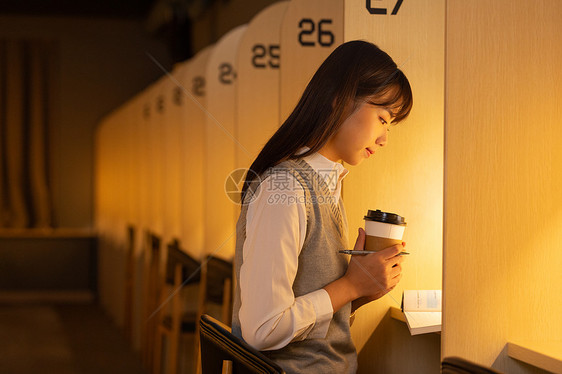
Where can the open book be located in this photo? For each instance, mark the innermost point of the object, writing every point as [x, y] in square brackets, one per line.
[422, 309]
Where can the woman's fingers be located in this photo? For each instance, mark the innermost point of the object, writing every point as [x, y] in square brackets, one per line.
[391, 252]
[395, 271]
[360, 241]
[374, 273]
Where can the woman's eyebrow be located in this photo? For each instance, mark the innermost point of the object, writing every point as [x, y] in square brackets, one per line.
[391, 115]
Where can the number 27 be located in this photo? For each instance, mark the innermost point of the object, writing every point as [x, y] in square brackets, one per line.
[383, 10]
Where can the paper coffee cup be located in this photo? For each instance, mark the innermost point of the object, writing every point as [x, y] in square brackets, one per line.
[383, 230]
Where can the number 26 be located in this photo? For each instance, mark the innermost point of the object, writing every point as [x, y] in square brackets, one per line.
[307, 27]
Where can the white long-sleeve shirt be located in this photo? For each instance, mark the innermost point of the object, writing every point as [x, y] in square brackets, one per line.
[270, 315]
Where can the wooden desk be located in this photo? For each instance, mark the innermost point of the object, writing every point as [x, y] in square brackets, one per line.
[544, 355]
[397, 314]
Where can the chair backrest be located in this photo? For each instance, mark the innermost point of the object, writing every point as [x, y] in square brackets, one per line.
[129, 282]
[153, 242]
[457, 365]
[219, 346]
[191, 268]
[151, 293]
[218, 271]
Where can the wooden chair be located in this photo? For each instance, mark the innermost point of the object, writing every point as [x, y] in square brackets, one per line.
[181, 270]
[129, 283]
[151, 295]
[222, 352]
[216, 287]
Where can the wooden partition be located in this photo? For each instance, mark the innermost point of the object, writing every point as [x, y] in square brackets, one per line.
[172, 123]
[160, 127]
[143, 111]
[129, 199]
[310, 31]
[154, 106]
[136, 134]
[257, 116]
[404, 177]
[192, 130]
[503, 180]
[407, 176]
[220, 144]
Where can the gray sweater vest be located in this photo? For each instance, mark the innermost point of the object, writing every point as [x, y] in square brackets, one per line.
[319, 264]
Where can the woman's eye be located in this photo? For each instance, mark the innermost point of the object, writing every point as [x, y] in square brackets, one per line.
[383, 122]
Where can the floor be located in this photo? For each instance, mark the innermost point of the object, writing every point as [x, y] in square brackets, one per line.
[63, 339]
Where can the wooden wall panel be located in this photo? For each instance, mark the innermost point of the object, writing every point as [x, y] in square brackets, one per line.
[258, 83]
[132, 140]
[160, 126]
[405, 177]
[193, 124]
[154, 157]
[172, 147]
[310, 31]
[143, 113]
[137, 154]
[503, 177]
[220, 143]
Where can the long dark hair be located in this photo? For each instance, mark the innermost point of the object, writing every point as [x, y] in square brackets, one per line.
[353, 72]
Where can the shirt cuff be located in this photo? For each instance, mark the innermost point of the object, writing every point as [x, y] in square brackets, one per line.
[324, 313]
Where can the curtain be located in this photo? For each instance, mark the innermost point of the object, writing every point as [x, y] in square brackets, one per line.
[27, 99]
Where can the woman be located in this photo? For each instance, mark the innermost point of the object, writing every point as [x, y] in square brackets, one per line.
[295, 293]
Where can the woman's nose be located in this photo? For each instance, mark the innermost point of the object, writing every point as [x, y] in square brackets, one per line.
[381, 140]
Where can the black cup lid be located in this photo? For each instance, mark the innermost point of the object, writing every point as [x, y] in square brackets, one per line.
[380, 216]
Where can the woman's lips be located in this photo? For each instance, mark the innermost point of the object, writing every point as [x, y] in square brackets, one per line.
[370, 151]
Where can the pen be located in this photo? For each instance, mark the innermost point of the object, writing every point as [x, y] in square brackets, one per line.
[349, 252]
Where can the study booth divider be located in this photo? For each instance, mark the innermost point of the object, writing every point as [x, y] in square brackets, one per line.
[405, 176]
[503, 177]
[173, 120]
[220, 143]
[310, 31]
[192, 135]
[155, 151]
[398, 179]
[257, 99]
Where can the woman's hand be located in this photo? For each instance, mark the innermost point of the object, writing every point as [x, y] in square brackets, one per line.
[368, 277]
[375, 274]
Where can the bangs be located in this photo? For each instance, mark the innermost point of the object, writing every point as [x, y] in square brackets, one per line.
[396, 96]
